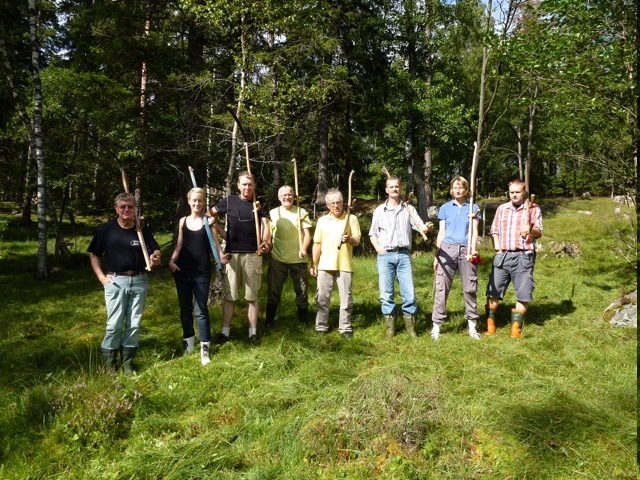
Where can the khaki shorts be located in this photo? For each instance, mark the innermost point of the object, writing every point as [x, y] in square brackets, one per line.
[243, 269]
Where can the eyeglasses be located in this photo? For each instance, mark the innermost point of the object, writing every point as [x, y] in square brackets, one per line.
[334, 203]
[126, 207]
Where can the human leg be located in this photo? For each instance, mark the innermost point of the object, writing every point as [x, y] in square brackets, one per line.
[137, 298]
[447, 266]
[344, 281]
[469, 279]
[184, 291]
[276, 276]
[499, 280]
[404, 274]
[201, 287]
[252, 276]
[386, 265]
[324, 286]
[300, 281]
[116, 303]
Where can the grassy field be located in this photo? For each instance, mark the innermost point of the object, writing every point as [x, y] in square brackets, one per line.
[560, 403]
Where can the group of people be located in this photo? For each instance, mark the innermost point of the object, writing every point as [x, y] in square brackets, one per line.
[253, 230]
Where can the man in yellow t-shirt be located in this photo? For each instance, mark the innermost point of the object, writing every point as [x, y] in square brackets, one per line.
[291, 237]
[333, 262]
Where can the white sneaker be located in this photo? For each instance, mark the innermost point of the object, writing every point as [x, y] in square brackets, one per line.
[435, 335]
[474, 335]
[204, 354]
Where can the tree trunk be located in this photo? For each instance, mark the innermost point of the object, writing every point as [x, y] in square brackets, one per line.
[142, 121]
[28, 194]
[39, 141]
[61, 244]
[323, 140]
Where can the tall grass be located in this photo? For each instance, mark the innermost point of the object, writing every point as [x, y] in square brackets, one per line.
[560, 403]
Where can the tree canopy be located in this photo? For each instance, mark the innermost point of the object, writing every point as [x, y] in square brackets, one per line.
[155, 86]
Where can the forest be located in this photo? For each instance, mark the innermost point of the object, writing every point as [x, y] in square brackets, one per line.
[90, 87]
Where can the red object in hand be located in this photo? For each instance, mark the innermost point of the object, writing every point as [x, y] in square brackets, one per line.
[476, 258]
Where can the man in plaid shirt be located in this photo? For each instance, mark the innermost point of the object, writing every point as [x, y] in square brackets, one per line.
[514, 241]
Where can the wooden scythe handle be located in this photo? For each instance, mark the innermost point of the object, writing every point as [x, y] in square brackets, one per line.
[256, 205]
[299, 223]
[346, 223]
[526, 220]
[207, 228]
[414, 219]
[472, 193]
[137, 224]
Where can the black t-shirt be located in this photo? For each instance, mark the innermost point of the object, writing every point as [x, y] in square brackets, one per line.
[121, 247]
[193, 258]
[241, 227]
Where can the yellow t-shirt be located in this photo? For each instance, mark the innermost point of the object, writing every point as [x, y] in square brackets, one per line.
[284, 233]
[329, 234]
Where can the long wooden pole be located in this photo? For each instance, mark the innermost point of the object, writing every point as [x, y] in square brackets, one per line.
[526, 220]
[472, 194]
[299, 222]
[256, 204]
[212, 244]
[346, 223]
[137, 224]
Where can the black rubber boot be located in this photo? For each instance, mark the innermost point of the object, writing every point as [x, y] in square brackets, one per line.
[303, 315]
[109, 359]
[271, 315]
[128, 354]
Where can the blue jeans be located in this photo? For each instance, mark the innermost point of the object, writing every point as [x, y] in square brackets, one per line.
[190, 289]
[392, 265]
[125, 300]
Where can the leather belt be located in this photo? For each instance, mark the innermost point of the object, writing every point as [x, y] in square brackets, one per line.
[397, 249]
[128, 273]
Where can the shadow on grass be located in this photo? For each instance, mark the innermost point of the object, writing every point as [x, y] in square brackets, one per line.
[553, 428]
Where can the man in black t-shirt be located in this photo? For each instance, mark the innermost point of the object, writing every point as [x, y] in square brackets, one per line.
[125, 281]
[244, 246]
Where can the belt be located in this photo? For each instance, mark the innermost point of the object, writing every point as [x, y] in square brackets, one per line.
[128, 273]
[397, 249]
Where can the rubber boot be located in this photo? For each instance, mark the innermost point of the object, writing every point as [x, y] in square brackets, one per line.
[109, 359]
[410, 325]
[491, 320]
[128, 354]
[303, 316]
[189, 345]
[390, 322]
[204, 353]
[271, 315]
[517, 322]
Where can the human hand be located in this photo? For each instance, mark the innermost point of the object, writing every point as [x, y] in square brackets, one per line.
[265, 247]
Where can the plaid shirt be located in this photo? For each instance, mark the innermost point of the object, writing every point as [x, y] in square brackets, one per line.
[508, 223]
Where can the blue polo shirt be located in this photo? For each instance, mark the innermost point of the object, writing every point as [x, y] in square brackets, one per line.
[456, 218]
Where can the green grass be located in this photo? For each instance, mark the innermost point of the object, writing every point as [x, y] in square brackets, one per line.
[560, 403]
